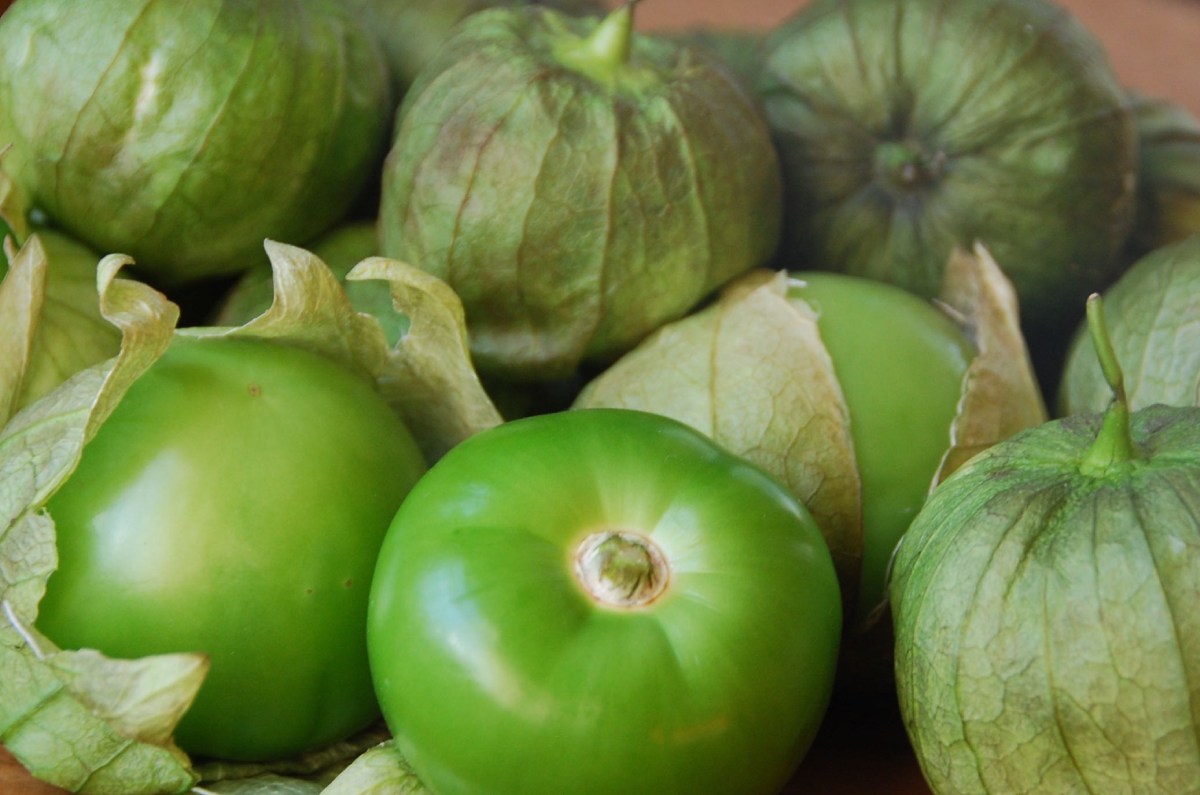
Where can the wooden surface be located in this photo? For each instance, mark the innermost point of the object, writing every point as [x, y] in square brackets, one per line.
[1153, 47]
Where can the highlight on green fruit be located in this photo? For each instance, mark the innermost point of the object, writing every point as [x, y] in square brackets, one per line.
[1043, 606]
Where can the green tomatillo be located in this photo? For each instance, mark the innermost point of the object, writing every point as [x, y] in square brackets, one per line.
[223, 491]
[909, 128]
[853, 392]
[233, 505]
[577, 184]
[183, 135]
[1044, 604]
[602, 601]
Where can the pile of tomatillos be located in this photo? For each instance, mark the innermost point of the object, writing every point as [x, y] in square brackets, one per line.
[466, 397]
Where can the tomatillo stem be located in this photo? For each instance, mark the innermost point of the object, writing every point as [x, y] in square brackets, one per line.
[606, 50]
[1113, 445]
[620, 568]
[905, 166]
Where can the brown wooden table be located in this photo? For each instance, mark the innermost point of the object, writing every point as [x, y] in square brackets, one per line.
[1153, 47]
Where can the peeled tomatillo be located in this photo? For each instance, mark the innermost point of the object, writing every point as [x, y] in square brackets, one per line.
[842, 387]
[1045, 607]
[602, 601]
[233, 505]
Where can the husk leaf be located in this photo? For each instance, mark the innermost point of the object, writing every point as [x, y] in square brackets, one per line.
[750, 371]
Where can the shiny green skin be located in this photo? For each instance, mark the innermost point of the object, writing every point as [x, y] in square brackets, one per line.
[1045, 619]
[574, 212]
[900, 363]
[906, 129]
[233, 504]
[1153, 318]
[170, 133]
[498, 673]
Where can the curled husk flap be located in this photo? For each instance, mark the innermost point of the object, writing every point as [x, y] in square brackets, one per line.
[73, 718]
[382, 770]
[427, 376]
[1000, 392]
[576, 184]
[170, 133]
[52, 326]
[1168, 174]
[340, 249]
[1153, 315]
[48, 299]
[1047, 639]
[751, 373]
[907, 129]
[96, 725]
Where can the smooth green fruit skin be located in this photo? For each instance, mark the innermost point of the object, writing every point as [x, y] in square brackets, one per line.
[499, 674]
[909, 128]
[1153, 314]
[1045, 621]
[575, 204]
[900, 363]
[172, 133]
[234, 504]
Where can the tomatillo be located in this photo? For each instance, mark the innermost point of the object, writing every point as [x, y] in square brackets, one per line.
[602, 600]
[233, 504]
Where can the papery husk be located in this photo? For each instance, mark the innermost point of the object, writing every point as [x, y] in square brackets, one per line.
[1153, 315]
[571, 180]
[750, 372]
[100, 726]
[1046, 636]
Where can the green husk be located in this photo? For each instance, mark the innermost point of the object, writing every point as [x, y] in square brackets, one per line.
[58, 715]
[1153, 319]
[1045, 636]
